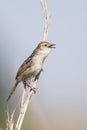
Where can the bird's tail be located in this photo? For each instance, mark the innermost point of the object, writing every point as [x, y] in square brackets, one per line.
[12, 91]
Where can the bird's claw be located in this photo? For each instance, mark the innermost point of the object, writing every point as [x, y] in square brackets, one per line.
[33, 89]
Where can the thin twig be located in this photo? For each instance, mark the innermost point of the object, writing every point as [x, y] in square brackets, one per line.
[24, 105]
[46, 18]
[10, 121]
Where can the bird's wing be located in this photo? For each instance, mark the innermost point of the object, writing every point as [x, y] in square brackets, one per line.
[26, 64]
[22, 68]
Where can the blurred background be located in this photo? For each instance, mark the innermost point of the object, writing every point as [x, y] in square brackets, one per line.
[61, 99]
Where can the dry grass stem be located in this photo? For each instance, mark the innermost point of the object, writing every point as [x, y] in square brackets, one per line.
[24, 104]
[46, 19]
[10, 121]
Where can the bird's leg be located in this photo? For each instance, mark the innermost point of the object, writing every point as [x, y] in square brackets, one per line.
[36, 78]
[25, 85]
[32, 88]
[28, 84]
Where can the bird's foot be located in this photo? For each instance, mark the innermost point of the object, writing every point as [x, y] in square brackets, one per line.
[26, 84]
[33, 89]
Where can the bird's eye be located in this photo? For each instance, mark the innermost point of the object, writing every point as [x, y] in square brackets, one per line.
[45, 45]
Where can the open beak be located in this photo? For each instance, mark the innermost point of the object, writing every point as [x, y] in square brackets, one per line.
[52, 46]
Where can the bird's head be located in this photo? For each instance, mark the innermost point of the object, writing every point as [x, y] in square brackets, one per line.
[45, 47]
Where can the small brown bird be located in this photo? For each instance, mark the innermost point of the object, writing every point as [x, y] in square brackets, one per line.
[32, 66]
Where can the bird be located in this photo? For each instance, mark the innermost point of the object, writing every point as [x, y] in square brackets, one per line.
[32, 66]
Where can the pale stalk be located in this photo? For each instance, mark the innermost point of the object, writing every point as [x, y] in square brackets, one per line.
[46, 19]
[24, 104]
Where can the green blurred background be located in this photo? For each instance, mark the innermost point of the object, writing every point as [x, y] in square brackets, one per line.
[61, 99]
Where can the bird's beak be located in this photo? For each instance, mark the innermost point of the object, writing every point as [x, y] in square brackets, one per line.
[52, 46]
